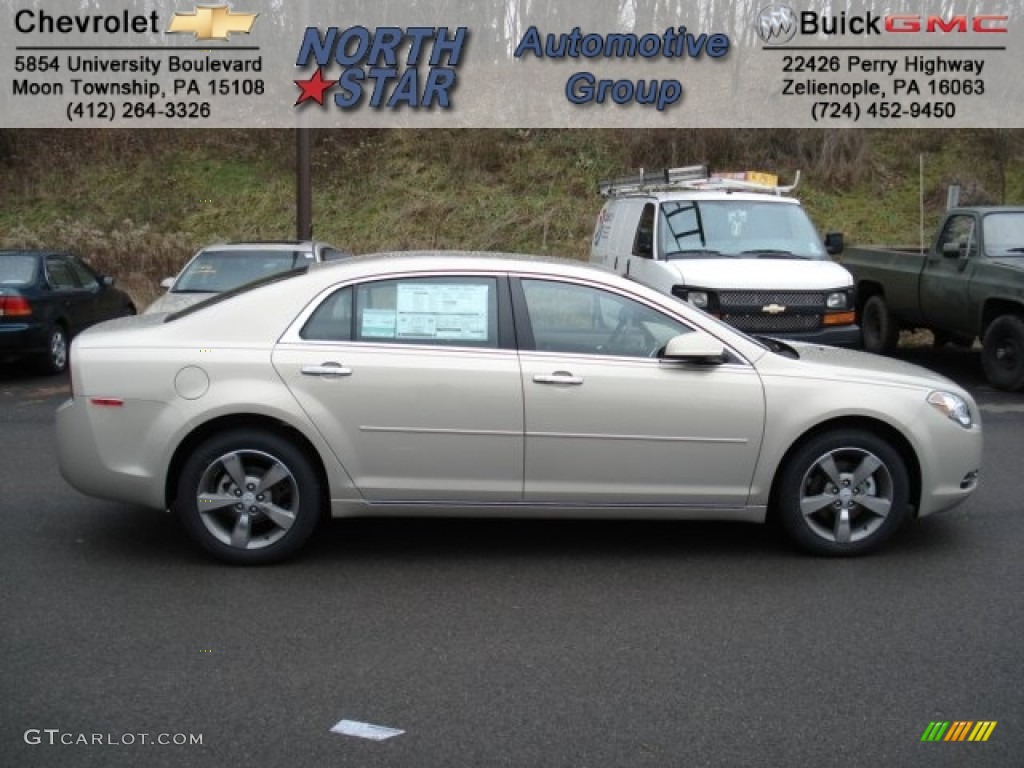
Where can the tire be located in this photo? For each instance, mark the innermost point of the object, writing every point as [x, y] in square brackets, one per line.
[225, 508]
[1002, 353]
[878, 327]
[846, 467]
[54, 360]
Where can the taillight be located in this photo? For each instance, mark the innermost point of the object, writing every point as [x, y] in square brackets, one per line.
[14, 306]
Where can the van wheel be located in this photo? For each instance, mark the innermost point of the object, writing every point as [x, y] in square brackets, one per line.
[843, 493]
[249, 497]
[1002, 353]
[878, 327]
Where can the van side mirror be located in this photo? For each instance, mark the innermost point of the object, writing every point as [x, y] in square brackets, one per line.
[834, 244]
[695, 347]
[167, 282]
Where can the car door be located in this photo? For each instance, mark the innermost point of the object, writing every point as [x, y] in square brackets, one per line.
[608, 423]
[946, 276]
[414, 382]
[71, 300]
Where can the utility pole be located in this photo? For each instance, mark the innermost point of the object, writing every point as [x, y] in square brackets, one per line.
[303, 185]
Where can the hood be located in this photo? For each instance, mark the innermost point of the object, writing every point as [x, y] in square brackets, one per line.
[760, 274]
[173, 302]
[850, 365]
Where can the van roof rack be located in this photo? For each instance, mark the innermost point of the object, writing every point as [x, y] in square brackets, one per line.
[695, 177]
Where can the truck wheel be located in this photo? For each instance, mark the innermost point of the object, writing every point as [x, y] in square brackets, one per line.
[1002, 353]
[878, 327]
[843, 493]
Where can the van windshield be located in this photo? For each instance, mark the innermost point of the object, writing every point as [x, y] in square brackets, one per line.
[746, 229]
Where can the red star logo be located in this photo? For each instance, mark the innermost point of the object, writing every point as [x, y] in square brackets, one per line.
[313, 88]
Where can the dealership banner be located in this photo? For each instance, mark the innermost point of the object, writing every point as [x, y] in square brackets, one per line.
[511, 63]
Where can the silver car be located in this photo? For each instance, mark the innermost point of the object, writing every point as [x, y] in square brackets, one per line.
[490, 385]
[226, 266]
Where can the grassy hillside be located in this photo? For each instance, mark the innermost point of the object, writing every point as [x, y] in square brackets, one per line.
[139, 203]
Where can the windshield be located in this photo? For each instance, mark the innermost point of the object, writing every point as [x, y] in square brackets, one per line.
[1004, 233]
[214, 271]
[17, 270]
[748, 229]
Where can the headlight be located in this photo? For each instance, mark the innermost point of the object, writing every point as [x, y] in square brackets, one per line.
[836, 300]
[952, 407]
[699, 299]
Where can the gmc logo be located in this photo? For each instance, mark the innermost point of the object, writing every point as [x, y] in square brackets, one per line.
[919, 23]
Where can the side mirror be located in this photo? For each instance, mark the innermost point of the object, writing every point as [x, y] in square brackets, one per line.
[107, 281]
[696, 347]
[834, 244]
[167, 282]
[951, 250]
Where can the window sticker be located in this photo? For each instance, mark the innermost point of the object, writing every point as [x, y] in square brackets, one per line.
[378, 324]
[442, 312]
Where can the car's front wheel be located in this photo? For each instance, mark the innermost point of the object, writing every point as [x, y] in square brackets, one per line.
[879, 330]
[249, 497]
[843, 493]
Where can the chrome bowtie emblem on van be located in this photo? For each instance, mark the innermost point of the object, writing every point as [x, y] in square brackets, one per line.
[773, 309]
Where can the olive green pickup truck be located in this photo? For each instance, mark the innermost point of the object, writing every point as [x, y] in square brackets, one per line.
[969, 284]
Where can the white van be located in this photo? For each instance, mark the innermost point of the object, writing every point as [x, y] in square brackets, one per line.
[734, 245]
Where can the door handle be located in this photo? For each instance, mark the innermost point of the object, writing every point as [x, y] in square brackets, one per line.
[558, 377]
[326, 369]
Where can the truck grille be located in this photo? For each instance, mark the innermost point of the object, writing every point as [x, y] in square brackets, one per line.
[796, 311]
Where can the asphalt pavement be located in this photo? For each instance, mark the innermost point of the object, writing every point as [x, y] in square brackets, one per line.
[504, 643]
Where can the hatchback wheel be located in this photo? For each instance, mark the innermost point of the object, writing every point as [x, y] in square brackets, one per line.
[55, 359]
[249, 497]
[843, 493]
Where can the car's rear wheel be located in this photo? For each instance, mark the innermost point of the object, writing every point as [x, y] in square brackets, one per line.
[1002, 353]
[55, 359]
[249, 497]
[843, 493]
[878, 327]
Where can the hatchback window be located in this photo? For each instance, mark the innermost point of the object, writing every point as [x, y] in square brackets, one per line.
[579, 319]
[17, 270]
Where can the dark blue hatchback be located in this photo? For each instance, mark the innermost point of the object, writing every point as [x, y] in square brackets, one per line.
[46, 297]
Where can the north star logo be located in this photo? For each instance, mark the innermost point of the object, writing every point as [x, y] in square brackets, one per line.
[776, 24]
[212, 22]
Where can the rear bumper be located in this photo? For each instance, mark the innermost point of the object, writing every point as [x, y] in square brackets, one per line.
[18, 339]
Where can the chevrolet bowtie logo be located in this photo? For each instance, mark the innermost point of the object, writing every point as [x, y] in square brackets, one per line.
[773, 309]
[212, 22]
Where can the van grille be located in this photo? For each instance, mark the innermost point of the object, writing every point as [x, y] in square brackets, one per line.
[773, 324]
[799, 311]
[746, 300]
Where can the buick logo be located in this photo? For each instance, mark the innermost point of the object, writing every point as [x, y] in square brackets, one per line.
[776, 24]
[773, 309]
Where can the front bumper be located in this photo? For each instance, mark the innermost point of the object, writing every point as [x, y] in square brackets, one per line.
[847, 336]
